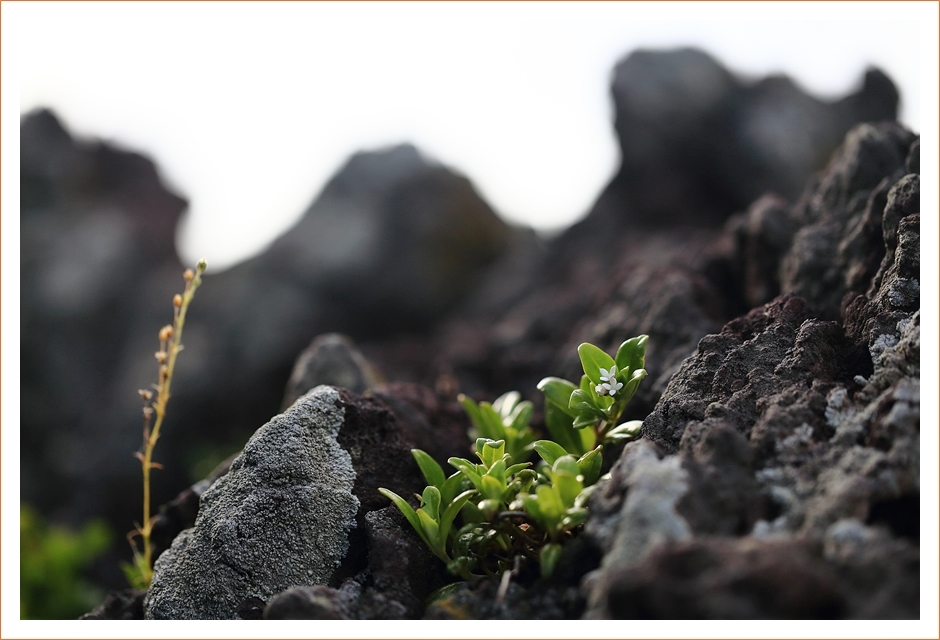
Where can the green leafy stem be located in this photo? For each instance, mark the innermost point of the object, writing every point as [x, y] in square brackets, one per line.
[489, 512]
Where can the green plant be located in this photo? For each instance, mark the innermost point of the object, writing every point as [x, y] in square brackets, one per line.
[581, 416]
[52, 559]
[140, 572]
[488, 515]
[506, 419]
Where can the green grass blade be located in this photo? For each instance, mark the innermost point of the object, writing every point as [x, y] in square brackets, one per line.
[408, 512]
[429, 467]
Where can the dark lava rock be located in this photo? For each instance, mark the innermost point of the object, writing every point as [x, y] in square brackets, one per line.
[724, 578]
[392, 232]
[403, 572]
[120, 605]
[733, 376]
[787, 427]
[315, 602]
[431, 422]
[250, 609]
[841, 242]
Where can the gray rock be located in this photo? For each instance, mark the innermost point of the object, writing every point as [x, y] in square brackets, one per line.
[882, 572]
[316, 602]
[647, 520]
[727, 578]
[841, 242]
[331, 359]
[279, 518]
[393, 233]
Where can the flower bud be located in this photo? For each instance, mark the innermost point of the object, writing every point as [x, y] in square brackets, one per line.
[166, 333]
[177, 301]
[188, 275]
[201, 265]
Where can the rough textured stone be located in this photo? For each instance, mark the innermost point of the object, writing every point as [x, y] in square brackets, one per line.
[647, 519]
[799, 428]
[180, 512]
[733, 373]
[280, 517]
[843, 213]
[119, 605]
[312, 603]
[403, 572]
[728, 579]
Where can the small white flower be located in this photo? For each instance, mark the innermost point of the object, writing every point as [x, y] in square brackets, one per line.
[609, 382]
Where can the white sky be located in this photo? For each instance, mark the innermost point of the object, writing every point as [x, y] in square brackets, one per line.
[248, 109]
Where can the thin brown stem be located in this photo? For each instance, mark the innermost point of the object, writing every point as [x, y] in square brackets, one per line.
[169, 349]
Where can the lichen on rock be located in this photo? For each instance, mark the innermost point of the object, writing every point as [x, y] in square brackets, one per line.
[279, 518]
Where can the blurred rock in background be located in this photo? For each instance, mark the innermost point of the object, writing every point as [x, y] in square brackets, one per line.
[392, 243]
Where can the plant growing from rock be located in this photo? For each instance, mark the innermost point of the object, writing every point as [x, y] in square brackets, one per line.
[140, 572]
[493, 513]
[581, 416]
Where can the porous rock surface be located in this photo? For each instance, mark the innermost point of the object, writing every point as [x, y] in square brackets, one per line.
[796, 426]
[324, 492]
[280, 517]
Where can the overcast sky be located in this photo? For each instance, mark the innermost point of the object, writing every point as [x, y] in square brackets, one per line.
[247, 109]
